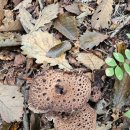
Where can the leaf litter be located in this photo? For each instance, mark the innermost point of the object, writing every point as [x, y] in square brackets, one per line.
[66, 37]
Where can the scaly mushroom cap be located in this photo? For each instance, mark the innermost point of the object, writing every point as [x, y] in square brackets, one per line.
[59, 91]
[84, 119]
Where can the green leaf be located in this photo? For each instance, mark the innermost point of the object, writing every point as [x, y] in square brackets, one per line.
[118, 56]
[119, 73]
[127, 114]
[109, 72]
[127, 53]
[127, 68]
[128, 35]
[110, 62]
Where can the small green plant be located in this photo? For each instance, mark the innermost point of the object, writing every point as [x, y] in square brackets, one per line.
[115, 64]
[127, 114]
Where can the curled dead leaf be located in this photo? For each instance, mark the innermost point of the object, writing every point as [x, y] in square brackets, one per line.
[26, 19]
[59, 49]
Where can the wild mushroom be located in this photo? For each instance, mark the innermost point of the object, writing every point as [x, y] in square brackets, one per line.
[84, 119]
[59, 91]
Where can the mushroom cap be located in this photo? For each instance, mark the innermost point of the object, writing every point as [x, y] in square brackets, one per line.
[84, 119]
[58, 91]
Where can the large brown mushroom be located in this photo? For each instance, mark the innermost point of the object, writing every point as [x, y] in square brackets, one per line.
[83, 119]
[59, 91]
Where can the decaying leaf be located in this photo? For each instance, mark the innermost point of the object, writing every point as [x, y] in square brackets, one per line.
[26, 19]
[6, 55]
[90, 60]
[106, 126]
[1, 15]
[23, 4]
[9, 24]
[3, 3]
[38, 43]
[59, 49]
[102, 16]
[9, 39]
[91, 39]
[67, 26]
[83, 7]
[11, 103]
[73, 8]
[86, 10]
[48, 13]
[86, 1]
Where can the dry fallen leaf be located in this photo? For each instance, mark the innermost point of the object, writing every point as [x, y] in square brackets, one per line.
[6, 55]
[1, 15]
[9, 24]
[23, 4]
[3, 3]
[91, 39]
[48, 13]
[9, 39]
[86, 1]
[106, 126]
[59, 49]
[67, 26]
[90, 60]
[86, 10]
[73, 8]
[102, 16]
[26, 19]
[11, 103]
[37, 44]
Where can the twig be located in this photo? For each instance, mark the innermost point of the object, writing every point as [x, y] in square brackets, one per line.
[120, 27]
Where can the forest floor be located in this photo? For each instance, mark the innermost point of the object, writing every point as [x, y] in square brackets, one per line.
[82, 37]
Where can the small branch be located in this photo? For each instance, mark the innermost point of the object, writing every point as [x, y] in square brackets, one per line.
[120, 27]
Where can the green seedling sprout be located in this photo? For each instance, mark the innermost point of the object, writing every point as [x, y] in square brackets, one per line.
[114, 68]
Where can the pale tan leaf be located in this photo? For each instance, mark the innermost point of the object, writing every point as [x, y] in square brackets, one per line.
[48, 13]
[73, 8]
[91, 39]
[3, 3]
[9, 39]
[1, 15]
[11, 103]
[26, 19]
[9, 24]
[90, 60]
[86, 10]
[37, 44]
[102, 15]
[67, 26]
[23, 4]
